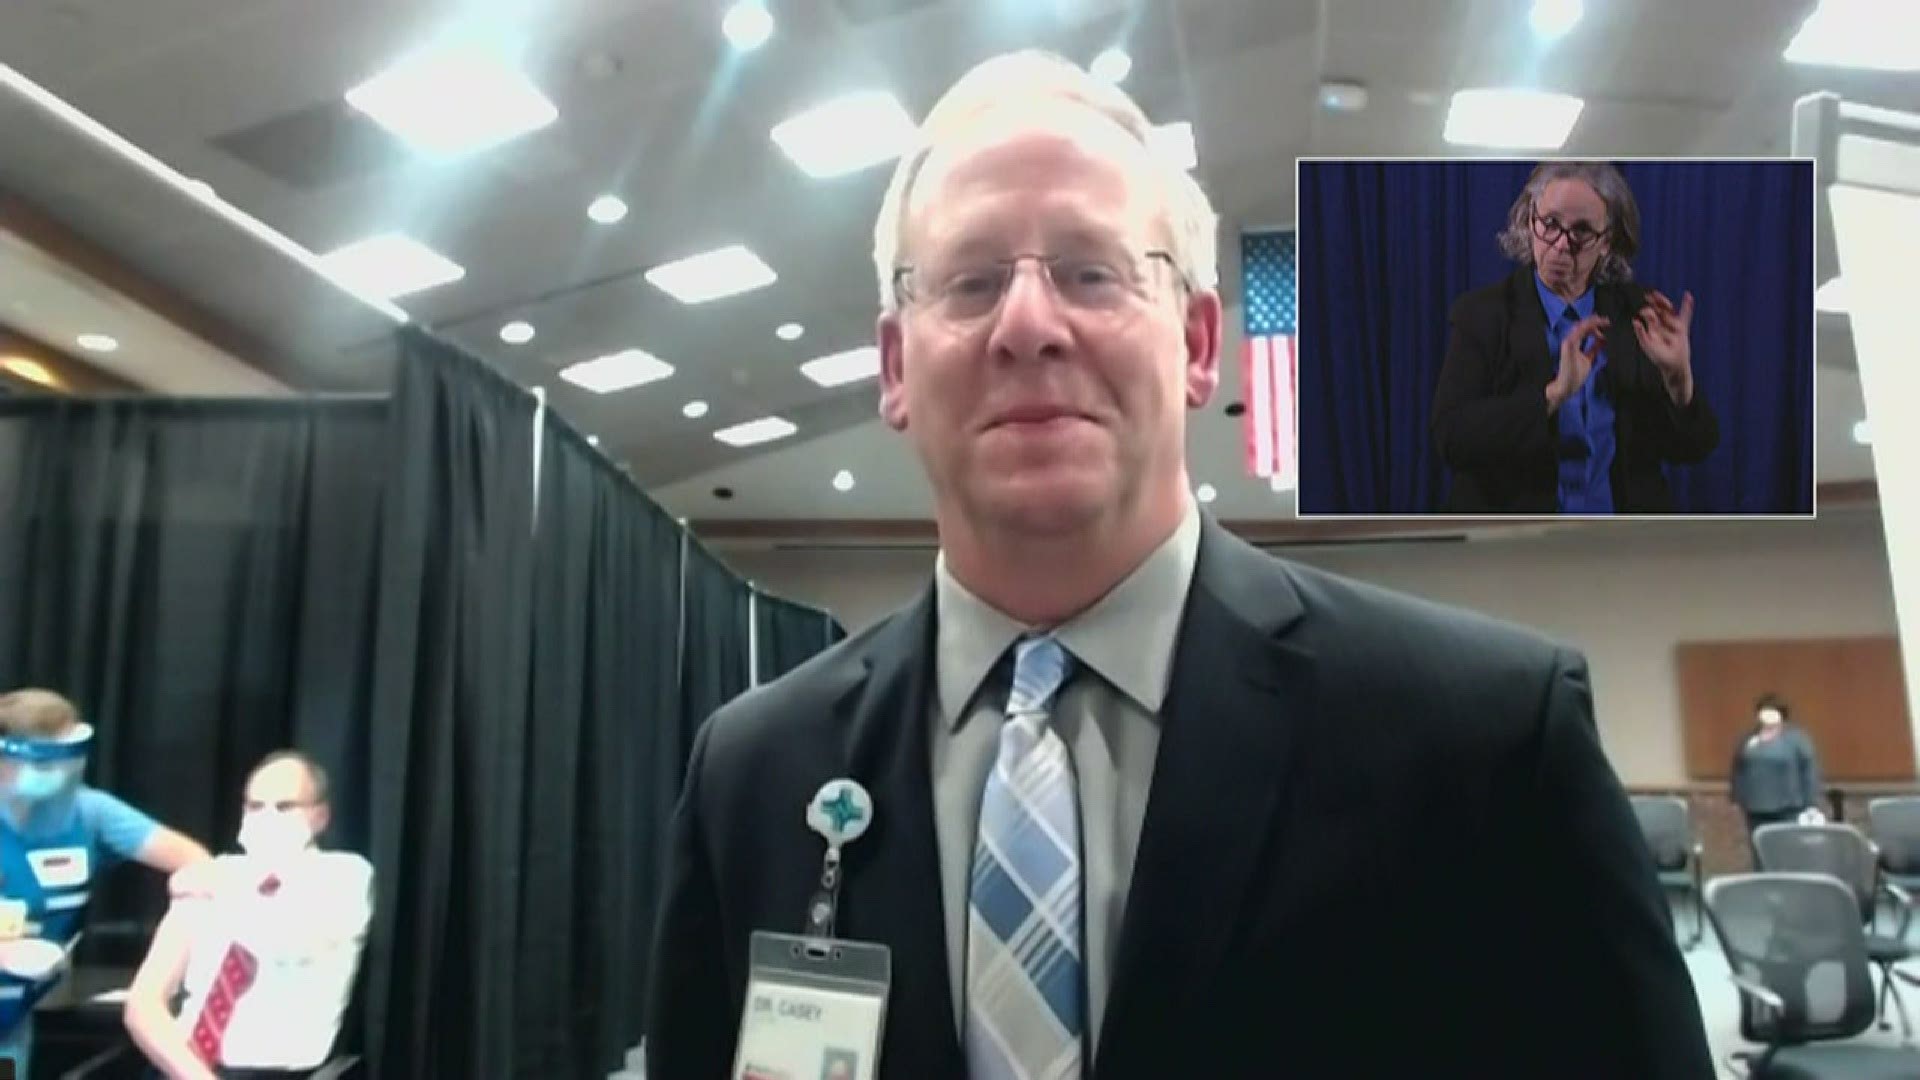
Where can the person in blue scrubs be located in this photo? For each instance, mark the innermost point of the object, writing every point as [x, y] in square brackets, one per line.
[57, 835]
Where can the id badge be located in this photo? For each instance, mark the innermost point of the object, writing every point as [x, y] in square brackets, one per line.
[815, 1008]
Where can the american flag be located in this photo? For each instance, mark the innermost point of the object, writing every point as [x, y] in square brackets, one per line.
[1269, 358]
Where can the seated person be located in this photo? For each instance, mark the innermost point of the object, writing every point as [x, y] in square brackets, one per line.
[265, 944]
[57, 835]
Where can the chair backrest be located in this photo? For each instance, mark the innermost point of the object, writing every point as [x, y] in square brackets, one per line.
[1895, 822]
[1840, 851]
[1667, 826]
[1797, 935]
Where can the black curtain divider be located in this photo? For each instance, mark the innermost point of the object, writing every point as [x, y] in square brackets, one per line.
[716, 621]
[198, 577]
[788, 633]
[505, 686]
[450, 723]
[603, 767]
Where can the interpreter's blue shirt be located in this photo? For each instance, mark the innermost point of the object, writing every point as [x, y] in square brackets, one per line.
[1584, 421]
[115, 828]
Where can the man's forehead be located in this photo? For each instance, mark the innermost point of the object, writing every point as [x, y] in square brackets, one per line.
[1054, 136]
[1572, 196]
[280, 779]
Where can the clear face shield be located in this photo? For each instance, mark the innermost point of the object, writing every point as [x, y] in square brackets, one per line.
[34, 770]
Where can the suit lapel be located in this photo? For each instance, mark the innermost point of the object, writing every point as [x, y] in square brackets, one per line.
[1236, 700]
[1527, 329]
[891, 892]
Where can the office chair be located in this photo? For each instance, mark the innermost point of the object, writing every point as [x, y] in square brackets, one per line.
[1843, 852]
[1799, 959]
[1894, 824]
[1666, 823]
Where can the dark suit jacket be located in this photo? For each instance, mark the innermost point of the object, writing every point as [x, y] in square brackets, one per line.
[1382, 840]
[1490, 422]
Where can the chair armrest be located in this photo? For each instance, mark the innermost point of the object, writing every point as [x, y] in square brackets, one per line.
[1759, 993]
[1905, 900]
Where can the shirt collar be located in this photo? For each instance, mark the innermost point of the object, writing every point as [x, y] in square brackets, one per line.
[1582, 306]
[1128, 636]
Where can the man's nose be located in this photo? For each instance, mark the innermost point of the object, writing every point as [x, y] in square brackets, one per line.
[1032, 318]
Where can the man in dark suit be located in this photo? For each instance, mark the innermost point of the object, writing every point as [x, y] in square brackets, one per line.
[1266, 822]
[1540, 408]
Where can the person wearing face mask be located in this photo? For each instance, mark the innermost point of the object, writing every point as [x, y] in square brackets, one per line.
[265, 943]
[57, 835]
[1568, 386]
[1776, 773]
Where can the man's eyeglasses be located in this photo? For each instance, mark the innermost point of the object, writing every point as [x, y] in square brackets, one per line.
[971, 289]
[254, 806]
[1550, 230]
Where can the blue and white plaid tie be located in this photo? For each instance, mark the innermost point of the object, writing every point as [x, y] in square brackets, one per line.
[1026, 997]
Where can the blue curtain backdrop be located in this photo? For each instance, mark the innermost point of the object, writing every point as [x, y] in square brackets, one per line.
[1386, 247]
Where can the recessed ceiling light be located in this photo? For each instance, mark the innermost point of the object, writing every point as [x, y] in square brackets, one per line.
[694, 410]
[32, 371]
[451, 101]
[843, 481]
[1861, 434]
[846, 134]
[389, 266]
[1831, 297]
[1205, 493]
[623, 370]
[747, 25]
[712, 275]
[1511, 118]
[753, 432]
[1112, 65]
[1869, 34]
[593, 440]
[517, 332]
[841, 368]
[607, 209]
[97, 342]
[790, 331]
[1175, 143]
[1553, 18]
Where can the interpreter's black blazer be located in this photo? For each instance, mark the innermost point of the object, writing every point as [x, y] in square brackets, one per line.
[1490, 422]
[1382, 841]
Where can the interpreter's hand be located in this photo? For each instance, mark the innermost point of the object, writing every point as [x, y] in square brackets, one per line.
[1578, 351]
[1665, 334]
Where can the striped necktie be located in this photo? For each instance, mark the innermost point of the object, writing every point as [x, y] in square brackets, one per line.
[1026, 991]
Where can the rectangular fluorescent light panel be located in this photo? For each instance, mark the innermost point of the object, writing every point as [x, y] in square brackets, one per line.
[389, 266]
[1869, 34]
[623, 370]
[1175, 143]
[453, 101]
[846, 134]
[712, 275]
[843, 367]
[754, 432]
[1512, 119]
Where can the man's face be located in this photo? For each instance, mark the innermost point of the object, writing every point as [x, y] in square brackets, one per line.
[1770, 717]
[285, 787]
[1575, 206]
[1041, 415]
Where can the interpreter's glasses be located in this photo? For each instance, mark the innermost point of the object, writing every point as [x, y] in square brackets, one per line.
[1550, 230]
[971, 289]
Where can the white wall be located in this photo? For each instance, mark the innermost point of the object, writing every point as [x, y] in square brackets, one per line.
[1624, 593]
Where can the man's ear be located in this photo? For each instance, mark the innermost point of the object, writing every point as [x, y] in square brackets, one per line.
[1202, 336]
[889, 334]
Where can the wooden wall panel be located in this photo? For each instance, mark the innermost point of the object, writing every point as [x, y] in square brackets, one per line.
[1848, 693]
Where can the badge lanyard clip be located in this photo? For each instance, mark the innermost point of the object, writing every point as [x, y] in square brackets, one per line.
[840, 812]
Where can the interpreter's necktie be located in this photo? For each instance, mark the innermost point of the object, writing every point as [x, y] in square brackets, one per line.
[1026, 990]
[238, 969]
